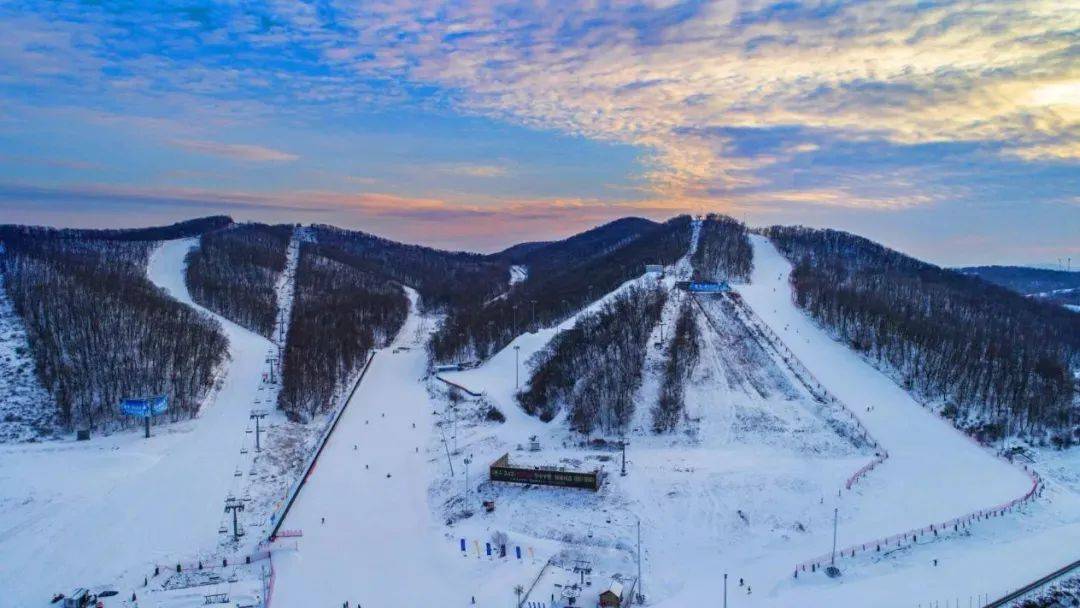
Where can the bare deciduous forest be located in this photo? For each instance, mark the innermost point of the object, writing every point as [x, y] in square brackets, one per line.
[723, 252]
[682, 355]
[594, 368]
[234, 270]
[999, 362]
[99, 330]
[340, 313]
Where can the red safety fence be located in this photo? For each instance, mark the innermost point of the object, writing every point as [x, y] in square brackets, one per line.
[866, 468]
[912, 536]
[896, 540]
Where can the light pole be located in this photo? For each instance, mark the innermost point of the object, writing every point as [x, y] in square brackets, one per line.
[725, 590]
[640, 583]
[832, 560]
[517, 364]
[468, 459]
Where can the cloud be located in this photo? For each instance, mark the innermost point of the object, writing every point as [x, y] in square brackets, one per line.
[244, 152]
[482, 171]
[676, 79]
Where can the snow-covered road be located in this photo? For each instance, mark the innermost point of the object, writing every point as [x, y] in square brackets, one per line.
[81, 514]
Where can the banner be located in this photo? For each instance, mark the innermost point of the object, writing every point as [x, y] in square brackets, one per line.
[145, 406]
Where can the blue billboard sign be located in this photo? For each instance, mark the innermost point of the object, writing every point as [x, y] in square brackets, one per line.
[707, 287]
[145, 406]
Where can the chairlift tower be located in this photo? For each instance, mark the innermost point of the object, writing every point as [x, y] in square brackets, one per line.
[257, 415]
[235, 506]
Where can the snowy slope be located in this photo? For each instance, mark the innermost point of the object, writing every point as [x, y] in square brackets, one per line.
[83, 513]
[27, 410]
[379, 545]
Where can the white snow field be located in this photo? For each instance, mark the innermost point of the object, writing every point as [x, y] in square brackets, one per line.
[379, 545]
[104, 511]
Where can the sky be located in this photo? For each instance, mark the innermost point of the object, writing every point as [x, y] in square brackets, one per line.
[947, 129]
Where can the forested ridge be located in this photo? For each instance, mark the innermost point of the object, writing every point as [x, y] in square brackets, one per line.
[99, 330]
[444, 279]
[563, 277]
[341, 312]
[234, 270]
[723, 252]
[1057, 286]
[594, 369]
[1001, 363]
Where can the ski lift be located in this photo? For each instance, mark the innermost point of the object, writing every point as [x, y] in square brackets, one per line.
[223, 530]
[238, 473]
[243, 450]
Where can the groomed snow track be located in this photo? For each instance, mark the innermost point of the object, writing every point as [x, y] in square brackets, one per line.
[960, 470]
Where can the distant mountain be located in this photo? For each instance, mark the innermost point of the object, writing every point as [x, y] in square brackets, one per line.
[517, 253]
[1058, 286]
[591, 243]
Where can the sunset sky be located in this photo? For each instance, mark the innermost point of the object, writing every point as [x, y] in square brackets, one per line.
[950, 130]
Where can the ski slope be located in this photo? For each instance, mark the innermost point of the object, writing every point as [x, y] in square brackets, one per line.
[89, 513]
[934, 472]
[379, 545]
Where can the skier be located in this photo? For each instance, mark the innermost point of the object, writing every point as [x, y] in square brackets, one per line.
[740, 581]
[935, 562]
[324, 520]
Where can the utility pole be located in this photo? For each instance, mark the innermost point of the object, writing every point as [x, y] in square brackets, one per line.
[725, 590]
[257, 415]
[623, 443]
[517, 364]
[234, 505]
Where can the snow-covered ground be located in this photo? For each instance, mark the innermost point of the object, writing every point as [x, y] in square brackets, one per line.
[27, 411]
[103, 511]
[747, 486]
[518, 274]
[379, 545]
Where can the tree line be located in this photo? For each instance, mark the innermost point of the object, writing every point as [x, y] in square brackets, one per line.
[444, 279]
[234, 271]
[723, 252]
[593, 370]
[99, 331]
[682, 356]
[341, 312]
[558, 285]
[1001, 363]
